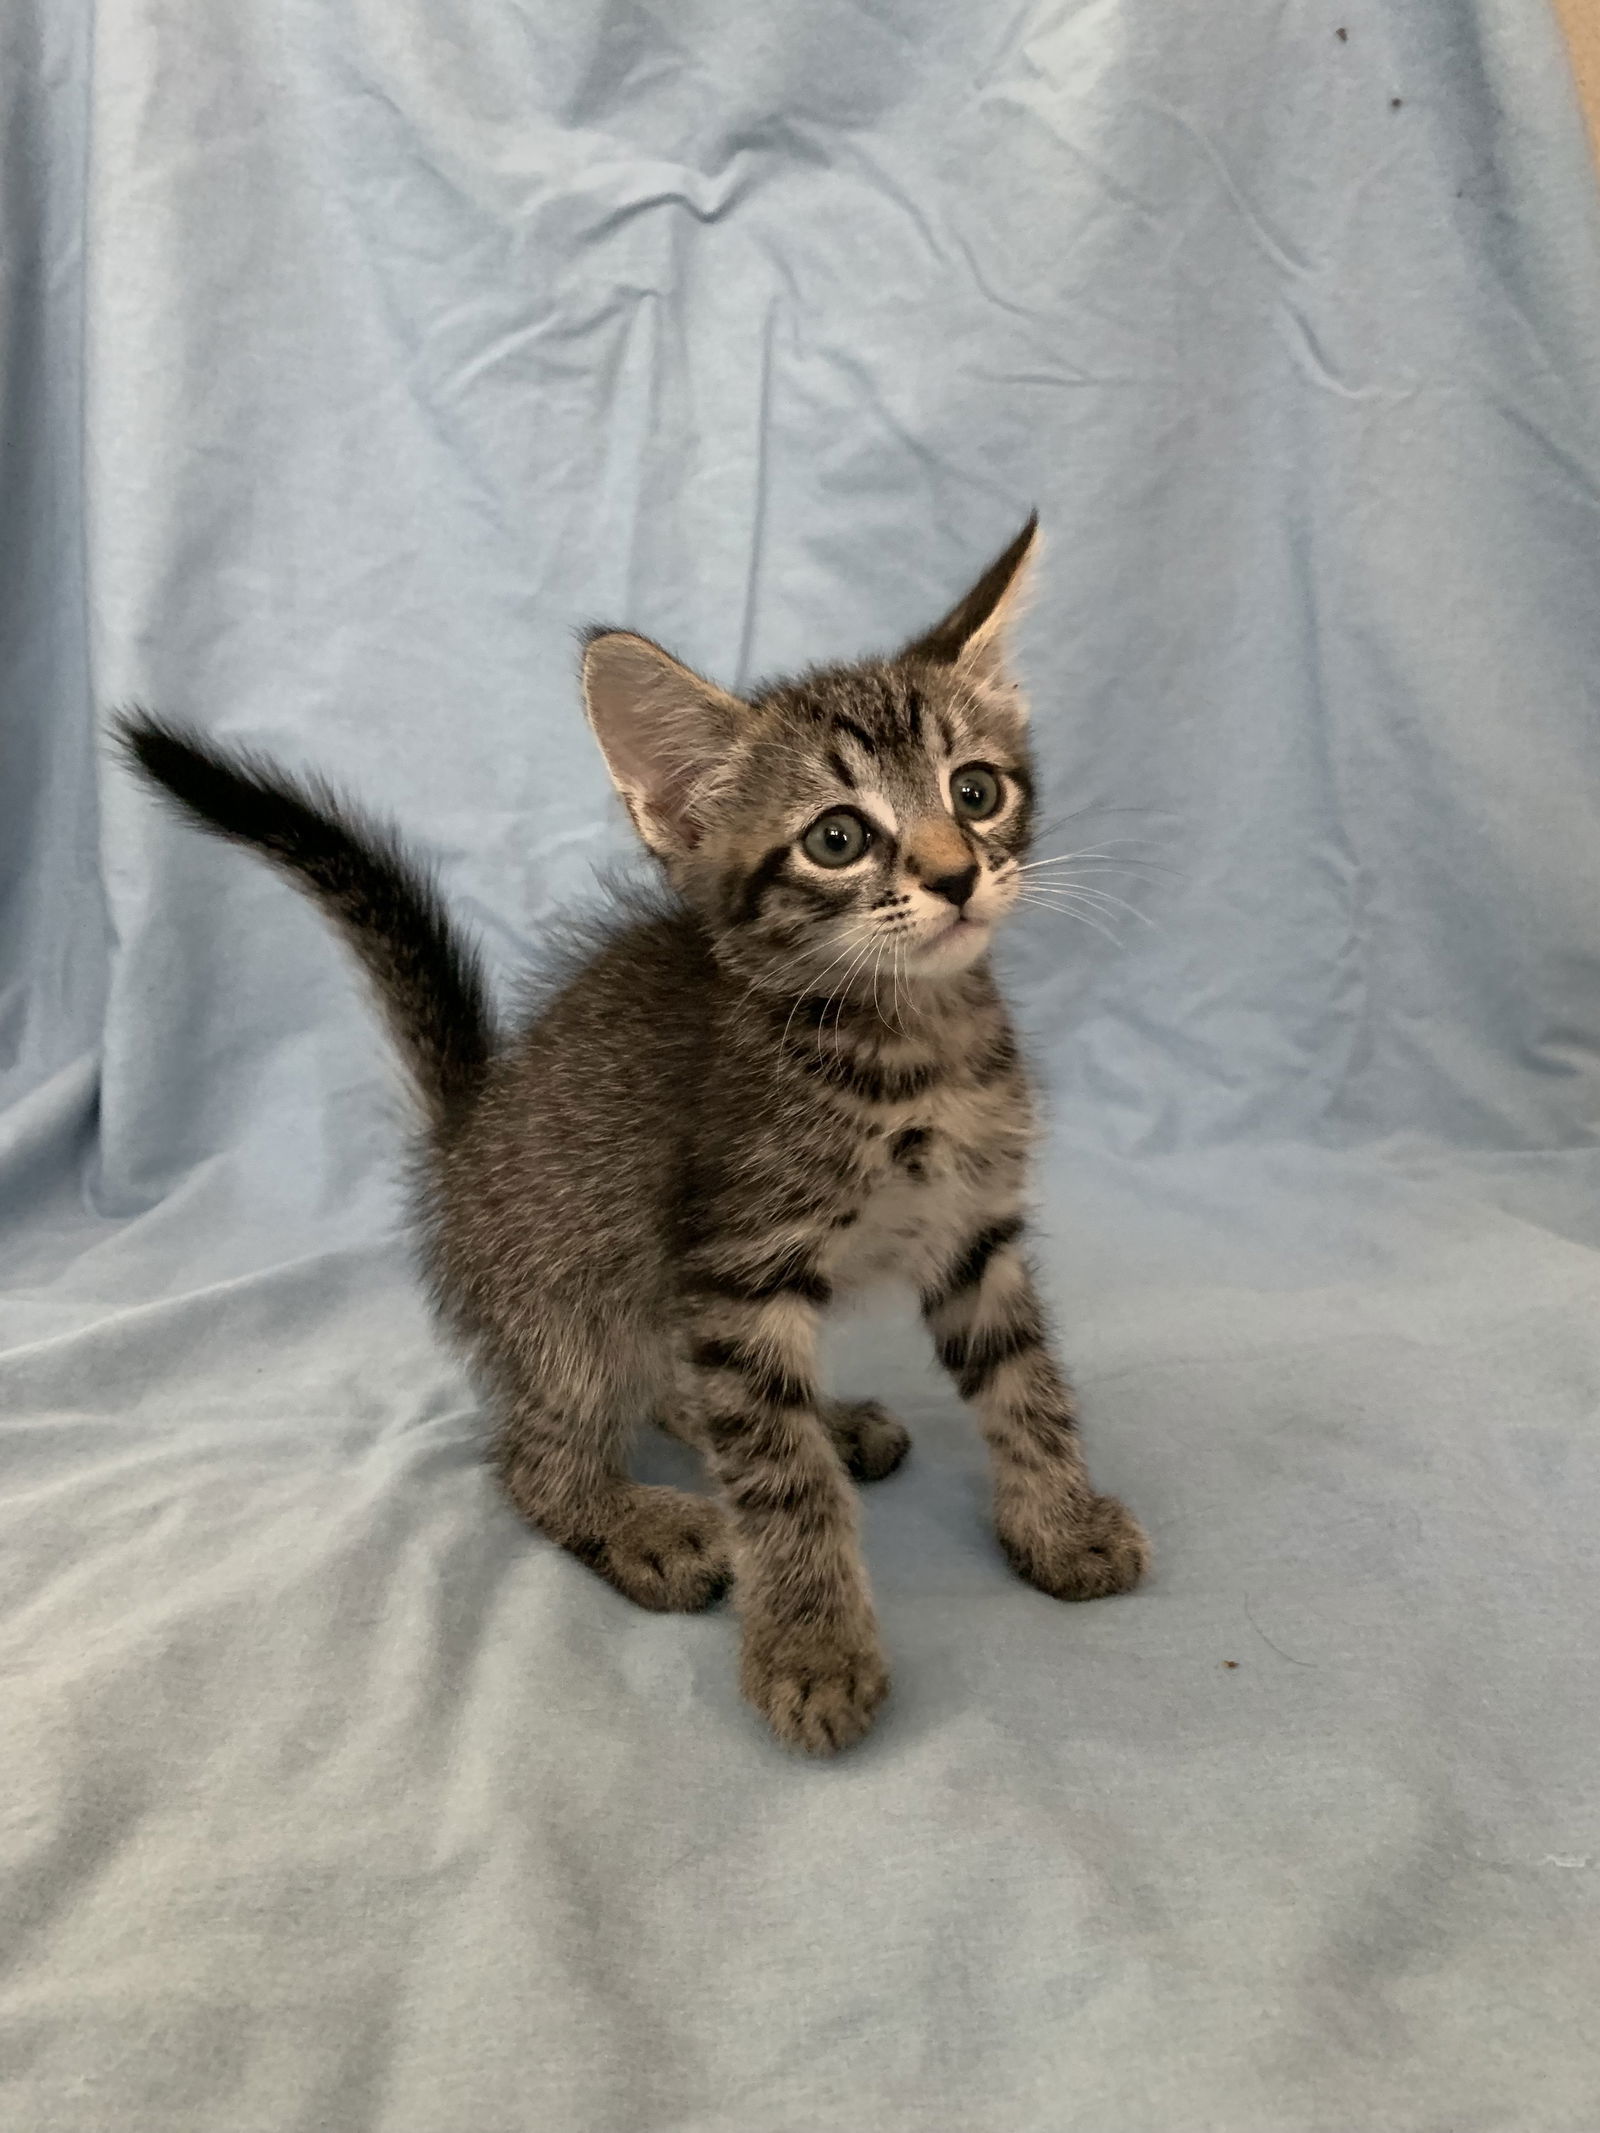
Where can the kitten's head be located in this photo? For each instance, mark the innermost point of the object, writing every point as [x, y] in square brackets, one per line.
[860, 825]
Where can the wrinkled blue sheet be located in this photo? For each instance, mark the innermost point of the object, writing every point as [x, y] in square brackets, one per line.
[352, 356]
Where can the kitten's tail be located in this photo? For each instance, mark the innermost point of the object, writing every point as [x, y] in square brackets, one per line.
[427, 979]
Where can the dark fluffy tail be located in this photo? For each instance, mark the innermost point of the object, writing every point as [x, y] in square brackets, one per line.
[428, 981]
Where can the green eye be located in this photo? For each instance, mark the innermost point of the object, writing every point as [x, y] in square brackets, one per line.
[836, 840]
[975, 792]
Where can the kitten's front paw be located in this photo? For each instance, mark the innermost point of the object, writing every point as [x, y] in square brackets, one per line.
[869, 1439]
[817, 1690]
[1077, 1553]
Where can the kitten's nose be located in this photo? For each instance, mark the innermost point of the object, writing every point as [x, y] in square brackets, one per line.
[954, 888]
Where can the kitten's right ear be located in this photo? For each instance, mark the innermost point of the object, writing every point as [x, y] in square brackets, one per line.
[663, 731]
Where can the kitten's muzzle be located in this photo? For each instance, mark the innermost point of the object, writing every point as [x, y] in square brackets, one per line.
[955, 888]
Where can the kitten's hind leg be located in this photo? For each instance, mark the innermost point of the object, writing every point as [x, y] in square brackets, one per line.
[871, 1441]
[661, 1548]
[560, 1462]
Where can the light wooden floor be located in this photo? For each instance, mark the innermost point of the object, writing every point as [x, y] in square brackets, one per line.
[1581, 21]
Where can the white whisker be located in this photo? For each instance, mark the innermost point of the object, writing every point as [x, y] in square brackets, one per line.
[1103, 861]
[839, 993]
[1079, 899]
[806, 991]
[1100, 897]
[1083, 918]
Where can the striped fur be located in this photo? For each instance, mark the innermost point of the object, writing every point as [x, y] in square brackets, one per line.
[730, 1110]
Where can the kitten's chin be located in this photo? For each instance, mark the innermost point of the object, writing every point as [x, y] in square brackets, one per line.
[954, 950]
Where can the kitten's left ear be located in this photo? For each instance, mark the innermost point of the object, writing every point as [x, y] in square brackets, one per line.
[664, 732]
[973, 636]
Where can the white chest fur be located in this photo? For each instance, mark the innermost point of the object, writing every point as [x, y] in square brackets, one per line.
[941, 1166]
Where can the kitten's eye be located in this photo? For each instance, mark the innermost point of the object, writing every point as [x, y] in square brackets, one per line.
[975, 791]
[836, 840]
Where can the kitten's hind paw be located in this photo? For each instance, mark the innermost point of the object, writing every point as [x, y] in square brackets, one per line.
[663, 1548]
[870, 1440]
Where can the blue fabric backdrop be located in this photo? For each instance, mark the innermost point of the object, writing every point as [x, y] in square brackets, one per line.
[352, 357]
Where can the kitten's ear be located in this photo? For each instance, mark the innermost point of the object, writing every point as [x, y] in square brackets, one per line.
[973, 635]
[662, 729]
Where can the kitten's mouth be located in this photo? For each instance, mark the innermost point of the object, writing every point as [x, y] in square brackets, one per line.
[959, 934]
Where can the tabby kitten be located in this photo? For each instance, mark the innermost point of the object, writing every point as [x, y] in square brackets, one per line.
[792, 1077]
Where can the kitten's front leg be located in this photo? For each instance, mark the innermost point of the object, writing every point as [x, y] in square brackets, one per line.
[986, 1319]
[812, 1663]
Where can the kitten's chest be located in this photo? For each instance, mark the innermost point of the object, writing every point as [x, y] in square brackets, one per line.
[938, 1168]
